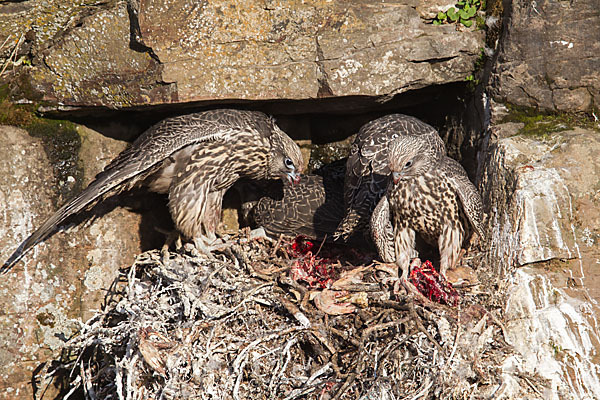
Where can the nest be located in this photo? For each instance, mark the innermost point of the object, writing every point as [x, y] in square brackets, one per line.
[249, 325]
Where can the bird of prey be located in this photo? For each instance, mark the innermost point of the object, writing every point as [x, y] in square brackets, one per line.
[312, 208]
[193, 158]
[367, 170]
[430, 195]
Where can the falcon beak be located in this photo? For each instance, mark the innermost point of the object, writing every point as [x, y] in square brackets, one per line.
[396, 177]
[293, 177]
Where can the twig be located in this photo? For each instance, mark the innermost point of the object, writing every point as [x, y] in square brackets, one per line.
[294, 311]
[499, 323]
[247, 297]
[240, 361]
[321, 246]
[277, 245]
[323, 370]
[347, 383]
[87, 384]
[532, 386]
[379, 327]
[385, 353]
[12, 55]
[344, 336]
[361, 353]
[336, 368]
[390, 304]
[423, 391]
[279, 369]
[458, 331]
[417, 320]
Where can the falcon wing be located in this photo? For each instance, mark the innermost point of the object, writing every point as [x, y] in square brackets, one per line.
[468, 194]
[382, 231]
[143, 158]
[308, 208]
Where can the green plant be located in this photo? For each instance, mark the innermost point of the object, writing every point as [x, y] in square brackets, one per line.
[472, 82]
[463, 12]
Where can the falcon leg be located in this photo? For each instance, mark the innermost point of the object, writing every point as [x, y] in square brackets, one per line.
[449, 244]
[408, 286]
[404, 247]
[212, 216]
[172, 237]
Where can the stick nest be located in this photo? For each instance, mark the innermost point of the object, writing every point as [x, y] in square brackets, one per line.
[181, 326]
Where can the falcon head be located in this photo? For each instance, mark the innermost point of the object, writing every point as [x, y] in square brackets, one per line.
[412, 156]
[285, 160]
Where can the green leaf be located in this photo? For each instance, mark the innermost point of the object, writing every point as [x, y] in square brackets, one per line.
[442, 16]
[452, 14]
[463, 14]
[437, 22]
[471, 12]
[466, 22]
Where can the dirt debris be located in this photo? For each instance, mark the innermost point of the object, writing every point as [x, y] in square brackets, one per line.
[179, 326]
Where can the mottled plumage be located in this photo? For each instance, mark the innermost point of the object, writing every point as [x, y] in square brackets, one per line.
[367, 170]
[313, 207]
[194, 158]
[430, 195]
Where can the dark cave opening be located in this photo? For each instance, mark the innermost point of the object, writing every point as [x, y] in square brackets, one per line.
[324, 125]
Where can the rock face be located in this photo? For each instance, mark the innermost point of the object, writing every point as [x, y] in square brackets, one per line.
[541, 194]
[544, 212]
[93, 64]
[547, 58]
[65, 277]
[183, 51]
[554, 333]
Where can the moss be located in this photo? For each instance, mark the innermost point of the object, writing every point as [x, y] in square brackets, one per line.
[541, 125]
[61, 144]
[14, 115]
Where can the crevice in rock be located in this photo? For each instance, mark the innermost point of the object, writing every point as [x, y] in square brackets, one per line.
[322, 77]
[432, 60]
[135, 34]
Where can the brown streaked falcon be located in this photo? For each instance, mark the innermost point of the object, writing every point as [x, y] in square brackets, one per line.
[193, 158]
[313, 207]
[430, 195]
[367, 170]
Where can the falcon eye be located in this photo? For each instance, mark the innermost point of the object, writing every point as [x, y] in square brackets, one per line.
[408, 164]
[289, 163]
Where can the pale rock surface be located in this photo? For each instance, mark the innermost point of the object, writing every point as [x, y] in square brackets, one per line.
[63, 279]
[542, 195]
[544, 212]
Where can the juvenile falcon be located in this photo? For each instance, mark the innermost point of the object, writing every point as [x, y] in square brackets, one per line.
[367, 170]
[430, 195]
[193, 158]
[312, 208]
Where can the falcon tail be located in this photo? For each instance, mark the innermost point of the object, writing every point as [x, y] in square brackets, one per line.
[89, 196]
